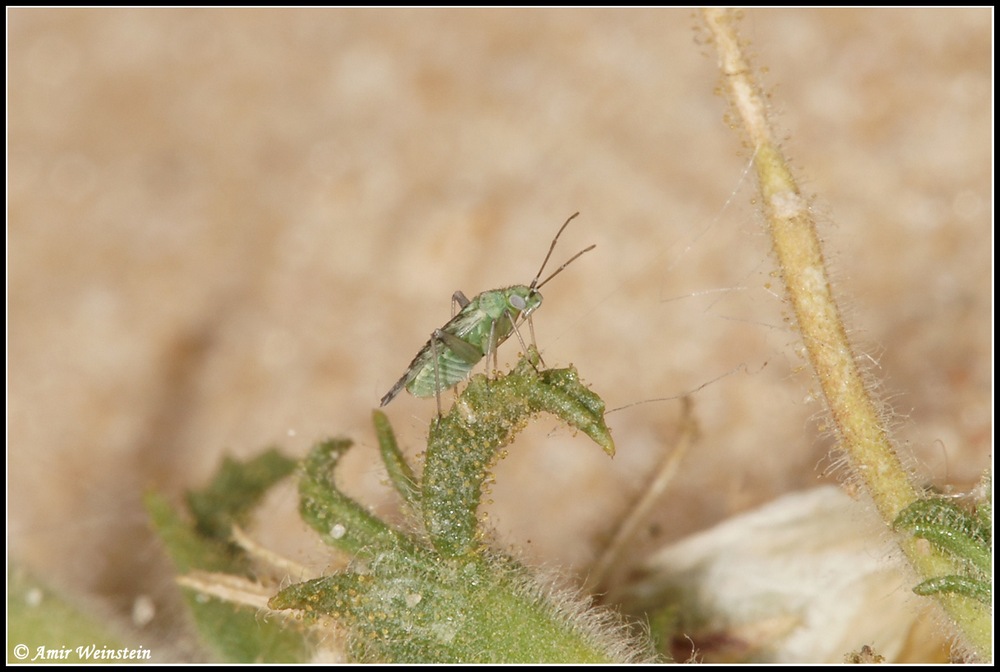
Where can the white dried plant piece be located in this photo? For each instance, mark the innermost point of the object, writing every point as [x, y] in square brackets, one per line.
[805, 578]
[270, 558]
[230, 588]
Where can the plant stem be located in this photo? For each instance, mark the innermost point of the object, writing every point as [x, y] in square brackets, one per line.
[797, 247]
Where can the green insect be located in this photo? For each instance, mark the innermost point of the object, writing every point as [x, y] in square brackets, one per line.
[480, 326]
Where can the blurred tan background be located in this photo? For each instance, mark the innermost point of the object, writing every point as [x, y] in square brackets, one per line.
[234, 228]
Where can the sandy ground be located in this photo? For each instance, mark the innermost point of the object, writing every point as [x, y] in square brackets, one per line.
[234, 228]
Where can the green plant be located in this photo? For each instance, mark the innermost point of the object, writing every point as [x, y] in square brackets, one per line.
[964, 535]
[435, 592]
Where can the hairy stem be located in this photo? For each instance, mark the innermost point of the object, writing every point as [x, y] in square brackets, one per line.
[797, 247]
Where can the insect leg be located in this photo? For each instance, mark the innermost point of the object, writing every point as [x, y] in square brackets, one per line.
[437, 374]
[520, 339]
[465, 351]
[531, 328]
[492, 346]
[462, 351]
[459, 298]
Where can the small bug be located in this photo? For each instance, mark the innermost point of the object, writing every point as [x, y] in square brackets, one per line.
[481, 325]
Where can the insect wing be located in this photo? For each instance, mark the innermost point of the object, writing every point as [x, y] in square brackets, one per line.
[429, 377]
[421, 361]
[452, 367]
[467, 321]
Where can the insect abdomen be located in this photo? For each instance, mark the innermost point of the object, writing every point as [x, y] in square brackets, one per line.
[451, 370]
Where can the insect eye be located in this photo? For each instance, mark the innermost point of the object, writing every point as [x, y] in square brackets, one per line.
[517, 302]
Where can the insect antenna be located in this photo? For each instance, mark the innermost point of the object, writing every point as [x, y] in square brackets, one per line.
[571, 260]
[535, 285]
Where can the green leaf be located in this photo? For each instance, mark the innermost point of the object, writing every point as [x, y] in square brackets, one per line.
[42, 627]
[951, 528]
[233, 633]
[236, 489]
[400, 473]
[465, 443]
[340, 521]
[980, 591]
[965, 535]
